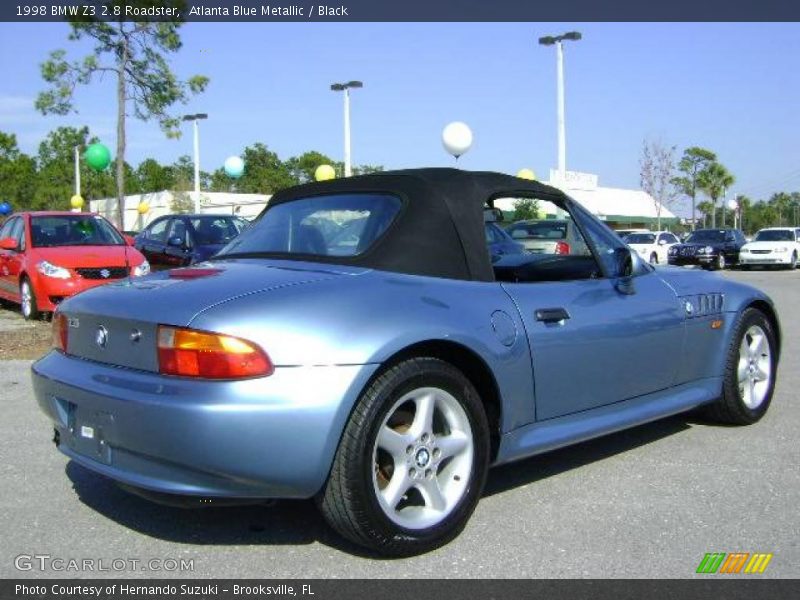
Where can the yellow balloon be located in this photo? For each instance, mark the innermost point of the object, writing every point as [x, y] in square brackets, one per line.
[76, 201]
[526, 174]
[143, 208]
[324, 173]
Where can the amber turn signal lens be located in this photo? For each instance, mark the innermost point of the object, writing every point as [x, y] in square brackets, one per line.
[206, 355]
[60, 329]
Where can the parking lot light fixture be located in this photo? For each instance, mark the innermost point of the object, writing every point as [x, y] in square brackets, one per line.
[195, 118]
[346, 87]
[550, 40]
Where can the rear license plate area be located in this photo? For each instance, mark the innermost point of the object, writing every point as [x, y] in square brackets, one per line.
[87, 432]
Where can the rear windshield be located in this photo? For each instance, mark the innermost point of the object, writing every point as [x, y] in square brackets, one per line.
[775, 235]
[640, 238]
[543, 230]
[73, 230]
[330, 225]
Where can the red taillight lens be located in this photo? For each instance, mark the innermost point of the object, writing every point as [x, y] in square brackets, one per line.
[191, 353]
[562, 248]
[60, 328]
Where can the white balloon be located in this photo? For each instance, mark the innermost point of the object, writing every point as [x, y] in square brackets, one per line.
[457, 138]
[234, 166]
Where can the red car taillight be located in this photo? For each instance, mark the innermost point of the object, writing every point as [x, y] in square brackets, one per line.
[562, 248]
[60, 327]
[190, 353]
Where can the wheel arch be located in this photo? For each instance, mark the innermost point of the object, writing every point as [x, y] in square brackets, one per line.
[769, 311]
[474, 368]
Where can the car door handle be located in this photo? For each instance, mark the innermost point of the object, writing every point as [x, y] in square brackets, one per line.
[551, 315]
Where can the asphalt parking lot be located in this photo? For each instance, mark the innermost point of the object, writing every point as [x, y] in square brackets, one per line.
[648, 502]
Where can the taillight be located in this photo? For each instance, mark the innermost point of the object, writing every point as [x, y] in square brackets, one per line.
[60, 327]
[191, 353]
[562, 248]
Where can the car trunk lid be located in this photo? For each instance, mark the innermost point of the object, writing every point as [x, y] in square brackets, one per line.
[118, 323]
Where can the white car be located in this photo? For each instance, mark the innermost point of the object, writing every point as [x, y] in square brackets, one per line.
[772, 246]
[623, 233]
[652, 246]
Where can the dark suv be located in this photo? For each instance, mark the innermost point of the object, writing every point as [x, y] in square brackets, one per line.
[709, 248]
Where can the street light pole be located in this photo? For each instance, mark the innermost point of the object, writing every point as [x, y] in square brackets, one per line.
[345, 87]
[562, 134]
[557, 41]
[77, 170]
[196, 127]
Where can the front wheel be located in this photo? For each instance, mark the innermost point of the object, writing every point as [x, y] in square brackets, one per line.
[412, 461]
[720, 263]
[27, 300]
[749, 372]
[653, 259]
[793, 264]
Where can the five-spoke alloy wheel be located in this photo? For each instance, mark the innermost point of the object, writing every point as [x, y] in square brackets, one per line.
[412, 461]
[750, 371]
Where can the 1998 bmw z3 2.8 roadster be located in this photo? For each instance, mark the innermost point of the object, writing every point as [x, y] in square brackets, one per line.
[358, 345]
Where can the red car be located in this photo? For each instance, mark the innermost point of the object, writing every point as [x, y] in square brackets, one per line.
[47, 256]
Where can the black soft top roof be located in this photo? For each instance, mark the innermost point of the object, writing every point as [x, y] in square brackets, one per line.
[440, 229]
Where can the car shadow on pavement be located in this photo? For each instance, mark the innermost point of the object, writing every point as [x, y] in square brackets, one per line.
[286, 522]
[542, 466]
[293, 522]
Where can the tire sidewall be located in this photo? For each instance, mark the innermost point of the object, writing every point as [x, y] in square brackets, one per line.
[437, 374]
[750, 317]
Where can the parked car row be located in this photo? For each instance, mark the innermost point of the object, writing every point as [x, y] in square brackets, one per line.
[48, 256]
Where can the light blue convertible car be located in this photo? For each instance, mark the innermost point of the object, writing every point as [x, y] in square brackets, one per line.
[385, 373]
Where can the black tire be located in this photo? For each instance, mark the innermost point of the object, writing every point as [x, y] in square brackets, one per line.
[719, 262]
[653, 259]
[731, 408]
[349, 502]
[793, 264]
[745, 267]
[30, 312]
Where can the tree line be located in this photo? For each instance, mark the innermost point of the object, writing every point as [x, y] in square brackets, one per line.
[699, 173]
[46, 180]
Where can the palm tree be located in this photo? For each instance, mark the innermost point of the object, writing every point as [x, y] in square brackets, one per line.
[693, 162]
[714, 180]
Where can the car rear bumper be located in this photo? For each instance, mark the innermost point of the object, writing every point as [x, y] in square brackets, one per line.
[261, 438]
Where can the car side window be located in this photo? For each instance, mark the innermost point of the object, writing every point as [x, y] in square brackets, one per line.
[158, 231]
[672, 239]
[556, 248]
[178, 229]
[606, 244]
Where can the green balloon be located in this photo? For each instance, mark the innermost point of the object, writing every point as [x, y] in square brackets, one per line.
[97, 156]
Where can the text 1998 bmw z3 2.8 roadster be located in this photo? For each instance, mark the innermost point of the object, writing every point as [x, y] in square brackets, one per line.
[357, 344]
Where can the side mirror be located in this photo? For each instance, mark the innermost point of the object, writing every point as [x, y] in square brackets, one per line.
[8, 243]
[176, 241]
[623, 263]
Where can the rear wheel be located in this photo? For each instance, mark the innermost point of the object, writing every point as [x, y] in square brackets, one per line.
[412, 461]
[749, 373]
[27, 300]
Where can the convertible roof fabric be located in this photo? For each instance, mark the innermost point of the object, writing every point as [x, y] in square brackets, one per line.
[440, 229]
